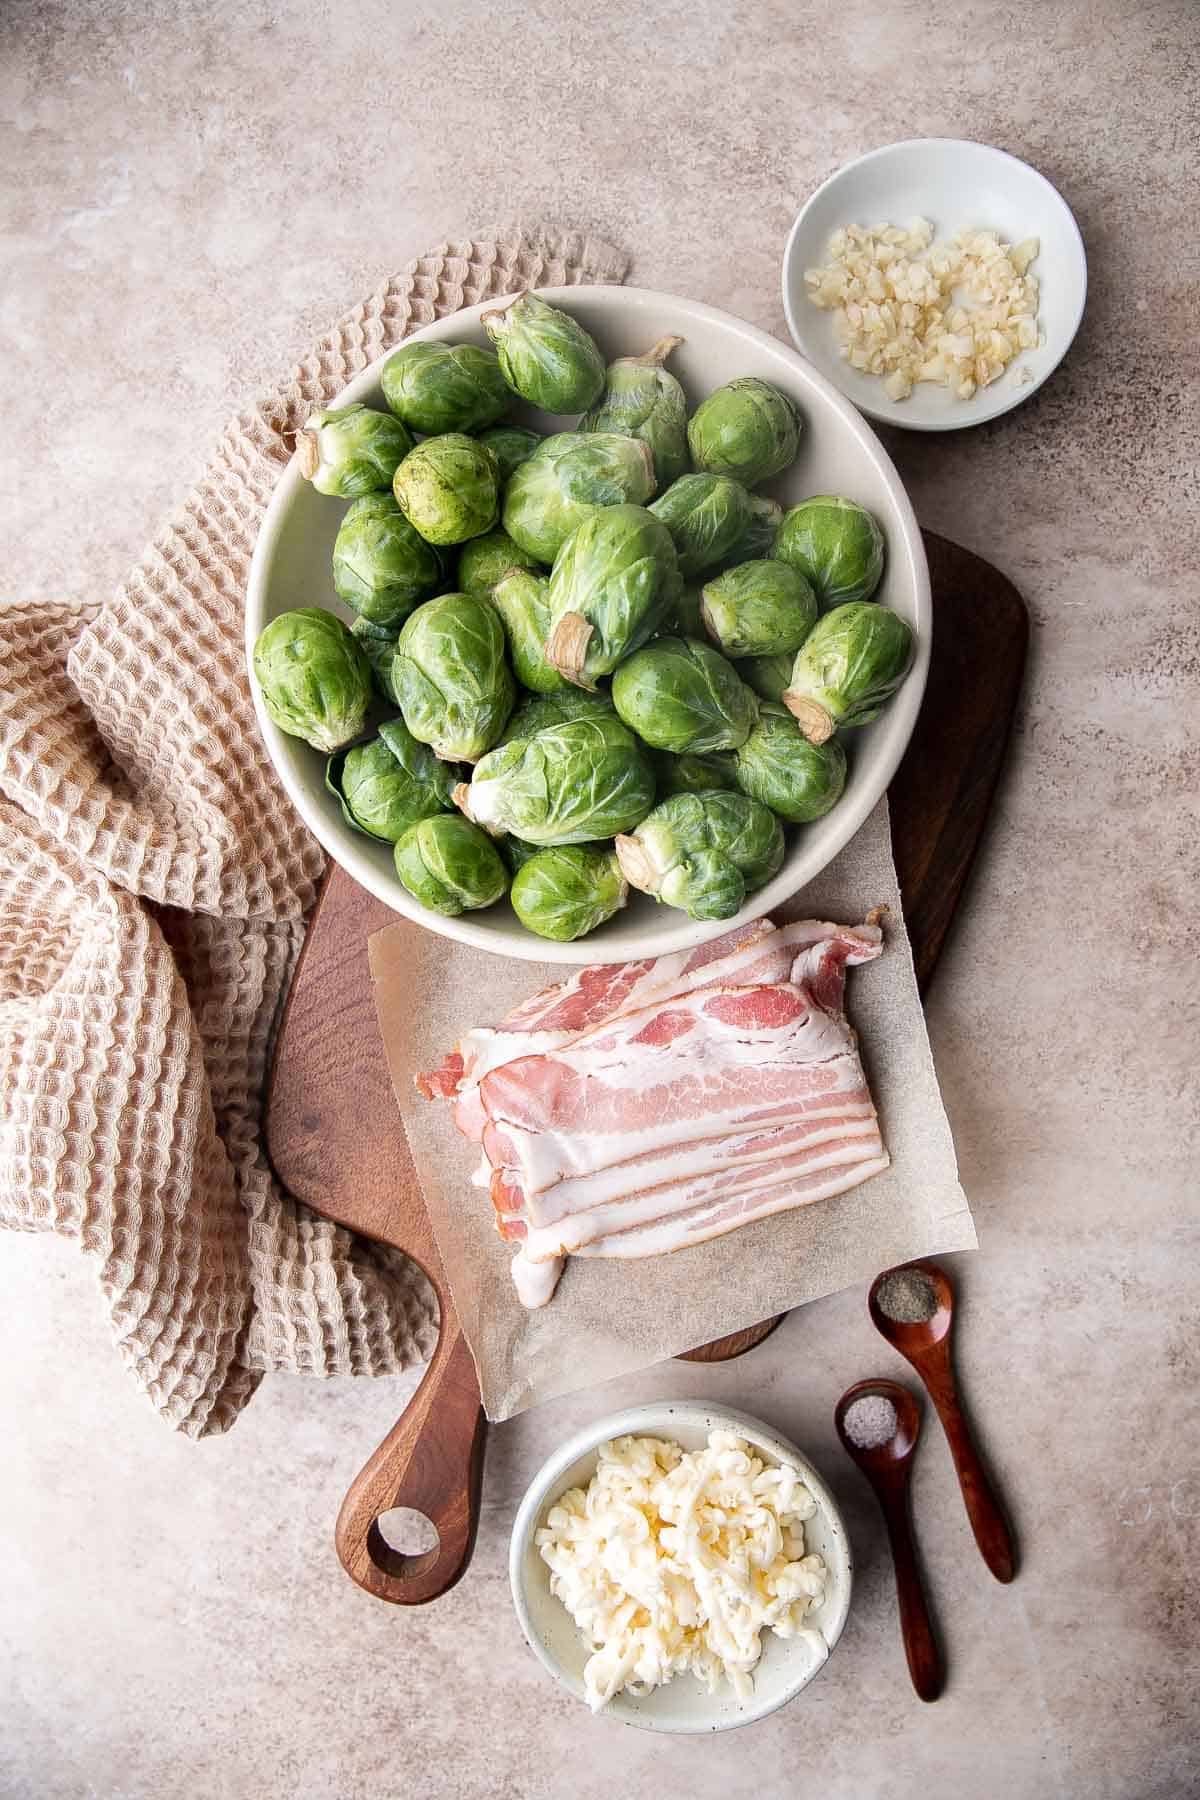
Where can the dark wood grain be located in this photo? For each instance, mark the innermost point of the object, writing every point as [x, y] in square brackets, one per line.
[330, 1073]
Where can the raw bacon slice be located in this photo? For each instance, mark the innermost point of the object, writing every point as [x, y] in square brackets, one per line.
[639, 1107]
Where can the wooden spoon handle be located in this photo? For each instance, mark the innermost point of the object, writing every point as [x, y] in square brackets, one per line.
[916, 1627]
[991, 1528]
[432, 1461]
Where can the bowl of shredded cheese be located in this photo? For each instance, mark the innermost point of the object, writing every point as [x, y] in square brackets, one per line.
[937, 283]
[681, 1568]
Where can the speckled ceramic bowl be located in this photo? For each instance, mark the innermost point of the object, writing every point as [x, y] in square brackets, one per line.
[681, 1706]
[839, 454]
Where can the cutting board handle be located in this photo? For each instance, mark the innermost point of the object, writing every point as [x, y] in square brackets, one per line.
[431, 1461]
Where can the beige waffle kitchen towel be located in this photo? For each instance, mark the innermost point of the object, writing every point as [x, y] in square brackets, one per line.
[154, 883]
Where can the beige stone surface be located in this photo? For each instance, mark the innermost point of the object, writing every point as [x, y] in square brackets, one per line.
[190, 193]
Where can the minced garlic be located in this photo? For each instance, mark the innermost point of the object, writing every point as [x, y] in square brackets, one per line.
[910, 310]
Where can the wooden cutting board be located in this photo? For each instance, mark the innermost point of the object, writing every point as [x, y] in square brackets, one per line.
[334, 1134]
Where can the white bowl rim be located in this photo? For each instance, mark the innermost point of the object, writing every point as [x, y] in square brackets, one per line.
[1004, 399]
[654, 1417]
[802, 865]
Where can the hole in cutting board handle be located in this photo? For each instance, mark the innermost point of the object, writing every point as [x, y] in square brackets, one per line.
[403, 1542]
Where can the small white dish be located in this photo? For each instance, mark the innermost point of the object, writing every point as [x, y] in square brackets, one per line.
[957, 185]
[681, 1706]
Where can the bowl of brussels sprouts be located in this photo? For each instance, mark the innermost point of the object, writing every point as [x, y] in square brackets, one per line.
[587, 622]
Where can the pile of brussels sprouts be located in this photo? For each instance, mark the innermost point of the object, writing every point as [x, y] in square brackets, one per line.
[615, 664]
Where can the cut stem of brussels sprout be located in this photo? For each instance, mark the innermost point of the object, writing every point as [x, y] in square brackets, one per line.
[817, 725]
[567, 645]
[308, 448]
[638, 868]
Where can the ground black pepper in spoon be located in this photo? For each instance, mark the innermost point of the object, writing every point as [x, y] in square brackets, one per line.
[879, 1423]
[912, 1306]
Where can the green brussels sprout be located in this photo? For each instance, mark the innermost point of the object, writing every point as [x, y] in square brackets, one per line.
[449, 865]
[758, 609]
[449, 488]
[569, 784]
[706, 516]
[387, 785]
[522, 600]
[382, 566]
[643, 400]
[516, 852]
[758, 539]
[437, 388]
[350, 450]
[511, 445]
[777, 765]
[565, 479]
[547, 357]
[537, 711]
[679, 694]
[379, 648]
[314, 679]
[703, 852]
[452, 681]
[836, 545]
[613, 582]
[565, 892]
[768, 675]
[747, 429]
[854, 659]
[487, 559]
[692, 774]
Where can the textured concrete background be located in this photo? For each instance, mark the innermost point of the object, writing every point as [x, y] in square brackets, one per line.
[190, 193]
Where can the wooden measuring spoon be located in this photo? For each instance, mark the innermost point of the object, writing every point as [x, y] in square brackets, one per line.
[887, 1467]
[927, 1345]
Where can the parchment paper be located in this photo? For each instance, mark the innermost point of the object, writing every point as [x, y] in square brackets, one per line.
[610, 1317]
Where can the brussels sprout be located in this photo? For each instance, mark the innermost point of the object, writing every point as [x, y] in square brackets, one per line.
[565, 479]
[684, 618]
[314, 679]
[487, 559]
[758, 539]
[613, 582]
[534, 713]
[679, 694]
[445, 387]
[642, 400]
[836, 545]
[758, 608]
[691, 774]
[511, 445]
[522, 600]
[747, 429]
[569, 784]
[854, 659]
[379, 647]
[706, 516]
[516, 852]
[565, 892]
[703, 852]
[449, 487]
[768, 675]
[382, 566]
[777, 765]
[387, 785]
[350, 450]
[449, 865]
[547, 357]
[452, 682]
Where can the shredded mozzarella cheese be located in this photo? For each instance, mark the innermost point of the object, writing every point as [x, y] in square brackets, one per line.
[671, 1562]
[910, 310]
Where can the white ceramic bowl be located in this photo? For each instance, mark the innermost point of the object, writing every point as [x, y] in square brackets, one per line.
[682, 1705]
[839, 454]
[956, 184]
